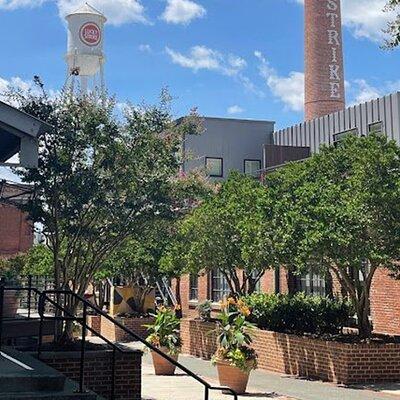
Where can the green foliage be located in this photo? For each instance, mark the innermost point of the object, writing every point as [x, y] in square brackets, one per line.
[164, 331]
[204, 310]
[39, 261]
[393, 28]
[339, 213]
[226, 232]
[299, 313]
[234, 336]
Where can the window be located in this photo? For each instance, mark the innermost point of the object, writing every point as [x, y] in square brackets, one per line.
[252, 167]
[214, 167]
[376, 127]
[340, 136]
[312, 284]
[219, 287]
[193, 287]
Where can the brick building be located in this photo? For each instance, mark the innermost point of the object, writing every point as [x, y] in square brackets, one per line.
[19, 134]
[16, 232]
[298, 142]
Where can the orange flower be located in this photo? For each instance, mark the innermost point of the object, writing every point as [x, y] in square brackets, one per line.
[231, 301]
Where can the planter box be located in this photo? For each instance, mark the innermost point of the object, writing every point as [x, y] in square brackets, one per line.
[94, 321]
[306, 357]
[97, 372]
[116, 334]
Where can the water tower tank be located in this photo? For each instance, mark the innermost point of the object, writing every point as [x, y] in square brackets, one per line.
[85, 41]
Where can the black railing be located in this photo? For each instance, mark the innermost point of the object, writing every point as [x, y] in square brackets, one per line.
[62, 314]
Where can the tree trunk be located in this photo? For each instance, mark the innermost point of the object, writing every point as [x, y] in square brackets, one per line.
[178, 297]
[363, 322]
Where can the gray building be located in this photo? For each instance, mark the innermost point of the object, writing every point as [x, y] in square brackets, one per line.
[228, 144]
[296, 142]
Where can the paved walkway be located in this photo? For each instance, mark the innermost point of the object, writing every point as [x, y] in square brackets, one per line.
[262, 385]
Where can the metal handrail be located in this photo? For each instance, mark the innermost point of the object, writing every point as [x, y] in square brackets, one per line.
[82, 321]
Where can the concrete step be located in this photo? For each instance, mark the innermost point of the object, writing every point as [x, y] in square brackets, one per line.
[23, 377]
[47, 396]
[22, 373]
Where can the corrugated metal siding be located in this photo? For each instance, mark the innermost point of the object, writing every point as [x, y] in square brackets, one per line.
[321, 130]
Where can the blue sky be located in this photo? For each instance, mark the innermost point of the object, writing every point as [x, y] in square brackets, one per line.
[208, 52]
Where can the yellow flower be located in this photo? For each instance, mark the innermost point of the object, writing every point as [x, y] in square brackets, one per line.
[177, 307]
[231, 300]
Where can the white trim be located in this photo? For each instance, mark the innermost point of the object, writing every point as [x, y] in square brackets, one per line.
[21, 364]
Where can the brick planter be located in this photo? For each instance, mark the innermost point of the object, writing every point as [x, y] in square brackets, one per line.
[305, 357]
[97, 372]
[116, 334]
[94, 322]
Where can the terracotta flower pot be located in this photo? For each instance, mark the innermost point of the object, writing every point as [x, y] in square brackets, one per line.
[10, 303]
[232, 377]
[161, 365]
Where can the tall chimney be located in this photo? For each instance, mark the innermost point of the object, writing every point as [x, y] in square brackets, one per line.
[324, 75]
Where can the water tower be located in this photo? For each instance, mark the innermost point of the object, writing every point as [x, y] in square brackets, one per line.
[85, 56]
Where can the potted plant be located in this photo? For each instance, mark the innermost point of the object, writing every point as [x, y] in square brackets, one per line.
[204, 310]
[235, 359]
[164, 334]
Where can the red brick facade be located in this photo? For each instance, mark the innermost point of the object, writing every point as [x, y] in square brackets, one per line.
[97, 371]
[116, 334]
[324, 76]
[16, 233]
[385, 296]
[306, 357]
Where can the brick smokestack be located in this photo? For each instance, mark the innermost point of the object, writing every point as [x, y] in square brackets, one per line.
[324, 75]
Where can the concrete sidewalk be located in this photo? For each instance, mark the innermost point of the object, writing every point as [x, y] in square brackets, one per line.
[262, 385]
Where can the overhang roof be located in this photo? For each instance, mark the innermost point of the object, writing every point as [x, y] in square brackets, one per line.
[16, 127]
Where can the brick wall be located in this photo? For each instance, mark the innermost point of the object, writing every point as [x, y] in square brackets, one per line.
[94, 322]
[16, 233]
[116, 334]
[97, 371]
[385, 303]
[306, 357]
[385, 297]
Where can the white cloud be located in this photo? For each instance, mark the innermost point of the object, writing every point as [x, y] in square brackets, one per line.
[365, 18]
[361, 91]
[182, 11]
[290, 89]
[16, 83]
[235, 110]
[145, 48]
[202, 57]
[118, 12]
[14, 4]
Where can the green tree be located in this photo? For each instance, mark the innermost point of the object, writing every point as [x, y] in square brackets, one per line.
[339, 213]
[139, 260]
[100, 178]
[393, 28]
[225, 232]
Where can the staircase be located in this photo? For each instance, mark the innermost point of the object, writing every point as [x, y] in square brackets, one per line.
[23, 377]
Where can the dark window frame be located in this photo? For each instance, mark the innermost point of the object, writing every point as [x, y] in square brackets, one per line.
[251, 160]
[193, 287]
[216, 294]
[338, 137]
[318, 284]
[222, 166]
[375, 131]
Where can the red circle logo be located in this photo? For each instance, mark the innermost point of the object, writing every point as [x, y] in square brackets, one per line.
[90, 34]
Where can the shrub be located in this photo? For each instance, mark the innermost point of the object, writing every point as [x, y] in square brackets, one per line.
[204, 310]
[298, 313]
